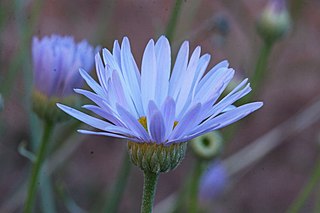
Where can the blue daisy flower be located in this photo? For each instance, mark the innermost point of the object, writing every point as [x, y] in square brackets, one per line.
[156, 104]
[56, 61]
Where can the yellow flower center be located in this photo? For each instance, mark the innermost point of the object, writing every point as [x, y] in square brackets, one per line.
[143, 122]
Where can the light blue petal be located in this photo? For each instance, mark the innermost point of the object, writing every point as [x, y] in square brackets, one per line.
[201, 68]
[93, 97]
[168, 110]
[87, 132]
[228, 108]
[101, 72]
[131, 75]
[213, 86]
[92, 121]
[91, 83]
[152, 109]
[179, 68]
[228, 100]
[116, 52]
[226, 118]
[110, 60]
[187, 122]
[133, 124]
[105, 114]
[163, 57]
[122, 96]
[187, 79]
[148, 75]
[208, 76]
[186, 138]
[157, 128]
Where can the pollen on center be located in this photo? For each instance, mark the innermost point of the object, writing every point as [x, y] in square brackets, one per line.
[143, 121]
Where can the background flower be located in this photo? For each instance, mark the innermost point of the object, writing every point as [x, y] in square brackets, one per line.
[56, 60]
[213, 181]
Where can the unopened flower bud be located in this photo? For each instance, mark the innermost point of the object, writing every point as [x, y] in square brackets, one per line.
[56, 63]
[274, 22]
[207, 146]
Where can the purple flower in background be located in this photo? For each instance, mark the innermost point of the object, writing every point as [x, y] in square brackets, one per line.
[155, 106]
[213, 181]
[56, 61]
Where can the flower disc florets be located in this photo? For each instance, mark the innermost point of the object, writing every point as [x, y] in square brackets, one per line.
[178, 105]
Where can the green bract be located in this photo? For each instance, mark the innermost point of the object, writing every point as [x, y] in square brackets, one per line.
[156, 158]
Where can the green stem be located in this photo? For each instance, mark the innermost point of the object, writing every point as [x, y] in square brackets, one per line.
[317, 202]
[119, 186]
[149, 191]
[173, 20]
[194, 186]
[306, 191]
[259, 72]
[27, 29]
[37, 166]
[261, 65]
[47, 194]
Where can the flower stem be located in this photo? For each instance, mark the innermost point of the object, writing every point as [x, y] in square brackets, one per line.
[194, 185]
[119, 186]
[37, 166]
[173, 20]
[306, 191]
[262, 64]
[149, 191]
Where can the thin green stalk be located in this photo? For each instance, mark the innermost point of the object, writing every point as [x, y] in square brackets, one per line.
[259, 71]
[149, 191]
[194, 186]
[27, 26]
[119, 187]
[173, 20]
[316, 208]
[48, 127]
[262, 63]
[306, 191]
[47, 194]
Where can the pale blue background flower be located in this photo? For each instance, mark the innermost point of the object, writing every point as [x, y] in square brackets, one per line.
[186, 97]
[213, 181]
[56, 61]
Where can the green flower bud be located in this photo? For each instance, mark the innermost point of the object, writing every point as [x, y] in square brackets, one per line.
[46, 107]
[275, 22]
[156, 158]
[207, 146]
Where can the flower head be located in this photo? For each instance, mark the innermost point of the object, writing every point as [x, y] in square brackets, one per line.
[213, 182]
[56, 61]
[155, 106]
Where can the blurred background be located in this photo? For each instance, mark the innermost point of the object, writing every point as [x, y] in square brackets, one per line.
[84, 168]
